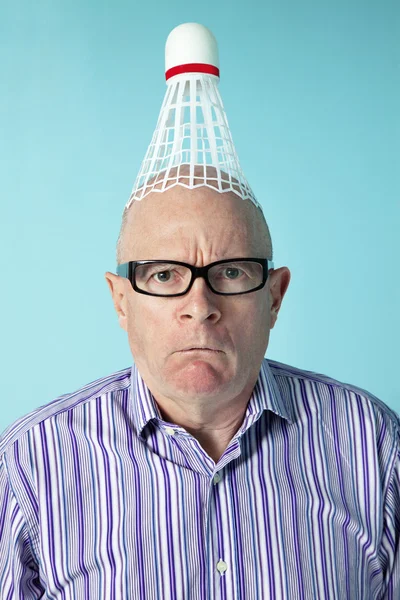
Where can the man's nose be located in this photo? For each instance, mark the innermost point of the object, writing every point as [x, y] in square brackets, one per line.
[200, 302]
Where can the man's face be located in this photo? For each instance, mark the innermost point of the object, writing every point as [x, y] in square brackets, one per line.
[198, 227]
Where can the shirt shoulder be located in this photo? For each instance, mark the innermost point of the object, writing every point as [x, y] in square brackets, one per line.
[89, 392]
[340, 390]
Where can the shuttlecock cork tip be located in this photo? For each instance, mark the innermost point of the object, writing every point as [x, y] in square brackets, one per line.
[191, 48]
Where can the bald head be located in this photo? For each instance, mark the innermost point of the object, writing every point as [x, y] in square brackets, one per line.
[206, 199]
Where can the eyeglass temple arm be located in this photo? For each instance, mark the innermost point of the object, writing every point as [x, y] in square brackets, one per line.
[123, 270]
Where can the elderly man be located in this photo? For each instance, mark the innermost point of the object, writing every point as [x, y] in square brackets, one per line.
[199, 353]
[205, 470]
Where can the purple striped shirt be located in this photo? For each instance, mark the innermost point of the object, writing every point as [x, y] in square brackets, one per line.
[101, 499]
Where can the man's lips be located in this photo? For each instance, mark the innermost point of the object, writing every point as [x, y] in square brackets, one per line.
[201, 350]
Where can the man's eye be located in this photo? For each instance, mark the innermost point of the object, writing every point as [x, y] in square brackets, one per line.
[232, 273]
[162, 278]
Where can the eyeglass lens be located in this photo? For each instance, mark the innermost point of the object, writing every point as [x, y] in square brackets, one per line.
[167, 278]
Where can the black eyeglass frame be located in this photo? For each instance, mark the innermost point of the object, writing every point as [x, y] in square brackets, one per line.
[128, 270]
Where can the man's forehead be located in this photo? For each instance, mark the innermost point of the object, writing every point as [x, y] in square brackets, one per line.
[199, 219]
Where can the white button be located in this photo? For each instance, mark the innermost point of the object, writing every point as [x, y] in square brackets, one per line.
[222, 566]
[217, 478]
[170, 430]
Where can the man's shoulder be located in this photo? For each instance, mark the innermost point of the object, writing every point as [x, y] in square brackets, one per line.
[104, 385]
[339, 389]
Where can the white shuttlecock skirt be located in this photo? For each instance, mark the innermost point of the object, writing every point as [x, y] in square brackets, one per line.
[192, 130]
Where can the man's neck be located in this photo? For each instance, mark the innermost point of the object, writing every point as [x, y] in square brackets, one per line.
[213, 430]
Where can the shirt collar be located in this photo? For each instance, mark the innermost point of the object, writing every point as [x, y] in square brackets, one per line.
[265, 396]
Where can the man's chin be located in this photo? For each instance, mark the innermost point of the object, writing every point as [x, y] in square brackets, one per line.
[199, 377]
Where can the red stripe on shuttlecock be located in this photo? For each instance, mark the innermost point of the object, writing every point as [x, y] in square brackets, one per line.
[192, 68]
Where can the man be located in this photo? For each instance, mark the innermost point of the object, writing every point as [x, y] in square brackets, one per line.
[205, 392]
[204, 470]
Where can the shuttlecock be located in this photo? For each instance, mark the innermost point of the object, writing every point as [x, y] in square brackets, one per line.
[192, 137]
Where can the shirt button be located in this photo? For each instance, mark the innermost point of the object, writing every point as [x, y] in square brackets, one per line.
[170, 430]
[217, 478]
[222, 566]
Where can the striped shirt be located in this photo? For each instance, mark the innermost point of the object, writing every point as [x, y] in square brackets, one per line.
[102, 499]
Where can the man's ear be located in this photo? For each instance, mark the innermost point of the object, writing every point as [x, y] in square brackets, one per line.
[117, 290]
[278, 286]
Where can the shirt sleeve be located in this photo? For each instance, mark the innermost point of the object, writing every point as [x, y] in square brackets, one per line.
[390, 546]
[19, 573]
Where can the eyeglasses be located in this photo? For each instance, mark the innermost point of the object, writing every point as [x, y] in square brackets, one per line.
[173, 278]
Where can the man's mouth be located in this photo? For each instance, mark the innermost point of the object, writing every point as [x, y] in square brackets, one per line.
[200, 350]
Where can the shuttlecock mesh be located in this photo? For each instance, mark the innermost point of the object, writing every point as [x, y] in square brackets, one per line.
[192, 130]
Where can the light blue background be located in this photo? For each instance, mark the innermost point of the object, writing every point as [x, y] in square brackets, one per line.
[311, 91]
